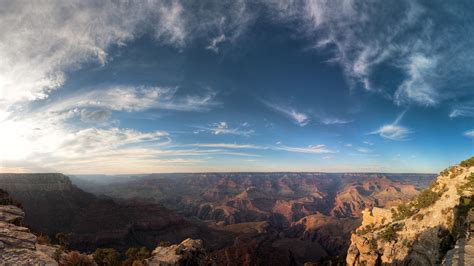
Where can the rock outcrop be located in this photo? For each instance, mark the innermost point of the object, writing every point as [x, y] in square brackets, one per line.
[188, 252]
[420, 232]
[18, 246]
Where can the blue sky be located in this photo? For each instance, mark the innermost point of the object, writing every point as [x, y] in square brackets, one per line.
[175, 86]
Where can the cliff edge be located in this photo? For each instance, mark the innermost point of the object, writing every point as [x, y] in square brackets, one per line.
[422, 231]
[18, 246]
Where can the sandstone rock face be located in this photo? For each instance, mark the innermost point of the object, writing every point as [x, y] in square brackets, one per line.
[421, 232]
[17, 245]
[188, 252]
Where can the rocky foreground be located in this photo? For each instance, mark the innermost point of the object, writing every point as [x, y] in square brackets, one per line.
[18, 246]
[423, 231]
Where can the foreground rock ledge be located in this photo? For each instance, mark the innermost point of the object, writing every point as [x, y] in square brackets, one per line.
[423, 232]
[18, 246]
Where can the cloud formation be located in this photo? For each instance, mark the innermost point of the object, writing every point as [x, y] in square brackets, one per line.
[137, 98]
[297, 117]
[469, 133]
[222, 128]
[54, 37]
[365, 47]
[309, 149]
[393, 131]
[466, 110]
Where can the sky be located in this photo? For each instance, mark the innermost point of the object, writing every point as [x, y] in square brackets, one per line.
[127, 87]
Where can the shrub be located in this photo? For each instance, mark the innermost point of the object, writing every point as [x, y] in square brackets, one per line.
[135, 256]
[367, 229]
[469, 186]
[389, 234]
[403, 211]
[43, 239]
[106, 256]
[445, 172]
[63, 239]
[467, 163]
[426, 198]
[407, 243]
[373, 244]
[75, 258]
[58, 253]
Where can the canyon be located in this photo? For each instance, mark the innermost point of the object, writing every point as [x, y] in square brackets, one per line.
[241, 218]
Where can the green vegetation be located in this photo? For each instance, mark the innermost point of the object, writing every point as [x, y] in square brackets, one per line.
[469, 186]
[403, 211]
[389, 234]
[426, 198]
[106, 257]
[407, 243]
[445, 172]
[63, 239]
[136, 256]
[467, 163]
[367, 229]
[373, 244]
[463, 215]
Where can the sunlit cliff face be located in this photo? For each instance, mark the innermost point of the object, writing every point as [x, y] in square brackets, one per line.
[127, 87]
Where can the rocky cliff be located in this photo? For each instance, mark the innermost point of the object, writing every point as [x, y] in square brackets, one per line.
[188, 252]
[422, 231]
[18, 246]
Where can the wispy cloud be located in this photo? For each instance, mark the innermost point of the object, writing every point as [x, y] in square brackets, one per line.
[363, 46]
[309, 149]
[53, 37]
[225, 145]
[136, 98]
[214, 43]
[393, 131]
[363, 150]
[334, 121]
[462, 110]
[223, 128]
[299, 118]
[469, 133]
[418, 87]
